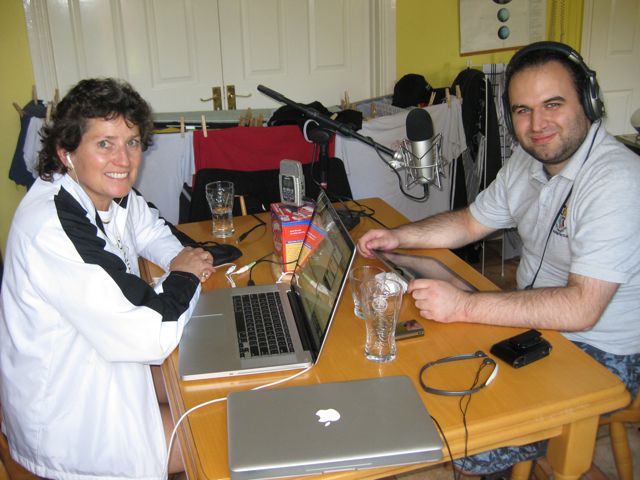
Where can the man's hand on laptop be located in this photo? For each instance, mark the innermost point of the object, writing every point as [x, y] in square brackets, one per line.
[377, 239]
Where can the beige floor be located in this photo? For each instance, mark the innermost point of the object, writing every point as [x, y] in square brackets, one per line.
[604, 466]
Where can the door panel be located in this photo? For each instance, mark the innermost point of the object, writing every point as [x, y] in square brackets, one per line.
[173, 51]
[307, 51]
[611, 46]
[82, 34]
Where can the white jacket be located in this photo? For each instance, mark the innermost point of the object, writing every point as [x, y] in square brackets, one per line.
[78, 333]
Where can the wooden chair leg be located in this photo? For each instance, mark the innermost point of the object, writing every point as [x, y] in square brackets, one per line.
[522, 470]
[621, 452]
[542, 469]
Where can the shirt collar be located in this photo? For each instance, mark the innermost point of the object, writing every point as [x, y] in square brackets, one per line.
[78, 193]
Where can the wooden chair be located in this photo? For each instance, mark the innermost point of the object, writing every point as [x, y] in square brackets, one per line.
[618, 434]
[619, 442]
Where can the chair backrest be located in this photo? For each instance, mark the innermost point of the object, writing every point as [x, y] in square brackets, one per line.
[260, 188]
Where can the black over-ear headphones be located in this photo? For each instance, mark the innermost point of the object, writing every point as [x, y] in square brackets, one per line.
[591, 98]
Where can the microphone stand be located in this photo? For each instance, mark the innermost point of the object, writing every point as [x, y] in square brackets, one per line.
[396, 157]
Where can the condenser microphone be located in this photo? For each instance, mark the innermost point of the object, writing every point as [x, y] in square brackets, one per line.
[420, 136]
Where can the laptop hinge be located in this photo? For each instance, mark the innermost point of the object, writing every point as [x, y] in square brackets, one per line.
[302, 323]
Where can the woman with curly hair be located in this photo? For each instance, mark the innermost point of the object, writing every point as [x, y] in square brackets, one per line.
[79, 327]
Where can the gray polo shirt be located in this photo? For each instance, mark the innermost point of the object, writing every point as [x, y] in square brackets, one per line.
[596, 235]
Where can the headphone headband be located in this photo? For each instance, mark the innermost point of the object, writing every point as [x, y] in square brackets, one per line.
[487, 361]
[591, 97]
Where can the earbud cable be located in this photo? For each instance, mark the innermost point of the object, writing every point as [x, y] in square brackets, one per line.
[217, 400]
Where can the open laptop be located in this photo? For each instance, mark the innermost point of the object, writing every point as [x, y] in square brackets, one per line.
[328, 427]
[221, 339]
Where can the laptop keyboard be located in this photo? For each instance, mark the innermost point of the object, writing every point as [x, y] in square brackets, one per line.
[262, 329]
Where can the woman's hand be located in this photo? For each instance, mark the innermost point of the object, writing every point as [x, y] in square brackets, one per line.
[193, 260]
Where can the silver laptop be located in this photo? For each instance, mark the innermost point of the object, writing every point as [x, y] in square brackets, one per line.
[328, 427]
[274, 327]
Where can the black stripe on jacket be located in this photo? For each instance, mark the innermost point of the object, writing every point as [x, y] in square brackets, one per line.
[179, 287]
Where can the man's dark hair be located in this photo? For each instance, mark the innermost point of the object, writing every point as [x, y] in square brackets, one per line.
[536, 58]
[103, 98]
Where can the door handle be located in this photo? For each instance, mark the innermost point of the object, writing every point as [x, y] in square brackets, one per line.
[232, 95]
[216, 96]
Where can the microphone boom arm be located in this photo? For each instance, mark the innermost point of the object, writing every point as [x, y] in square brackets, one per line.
[332, 124]
[398, 159]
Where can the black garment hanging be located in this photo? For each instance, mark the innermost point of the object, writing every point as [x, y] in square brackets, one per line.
[472, 87]
[18, 170]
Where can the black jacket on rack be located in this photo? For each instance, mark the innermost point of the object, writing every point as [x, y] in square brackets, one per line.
[472, 88]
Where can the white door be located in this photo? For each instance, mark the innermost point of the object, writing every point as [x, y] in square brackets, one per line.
[611, 47]
[175, 51]
[309, 50]
[167, 49]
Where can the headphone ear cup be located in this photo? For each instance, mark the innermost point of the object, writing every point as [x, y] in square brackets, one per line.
[592, 101]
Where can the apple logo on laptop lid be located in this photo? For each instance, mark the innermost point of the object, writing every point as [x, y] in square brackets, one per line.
[327, 416]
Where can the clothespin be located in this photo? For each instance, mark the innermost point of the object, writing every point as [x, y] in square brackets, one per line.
[18, 109]
[448, 95]
[246, 119]
[373, 111]
[259, 121]
[346, 99]
[182, 128]
[47, 117]
[432, 98]
[204, 125]
[34, 95]
[459, 94]
[56, 97]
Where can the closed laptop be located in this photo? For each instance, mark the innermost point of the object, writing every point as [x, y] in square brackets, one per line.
[327, 427]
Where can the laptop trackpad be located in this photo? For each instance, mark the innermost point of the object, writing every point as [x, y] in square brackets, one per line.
[209, 344]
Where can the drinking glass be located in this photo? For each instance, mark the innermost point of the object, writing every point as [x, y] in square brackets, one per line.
[220, 199]
[381, 299]
[357, 277]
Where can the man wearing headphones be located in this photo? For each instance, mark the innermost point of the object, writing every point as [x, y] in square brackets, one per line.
[573, 193]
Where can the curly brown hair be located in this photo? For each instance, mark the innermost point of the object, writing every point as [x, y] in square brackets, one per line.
[105, 98]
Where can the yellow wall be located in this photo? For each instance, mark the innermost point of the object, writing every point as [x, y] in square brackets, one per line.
[15, 86]
[428, 38]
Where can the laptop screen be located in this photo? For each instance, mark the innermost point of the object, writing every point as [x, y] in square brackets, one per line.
[322, 269]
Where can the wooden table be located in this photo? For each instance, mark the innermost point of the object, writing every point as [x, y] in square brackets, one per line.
[558, 398]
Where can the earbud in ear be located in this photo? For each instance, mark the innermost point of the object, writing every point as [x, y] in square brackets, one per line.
[68, 156]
